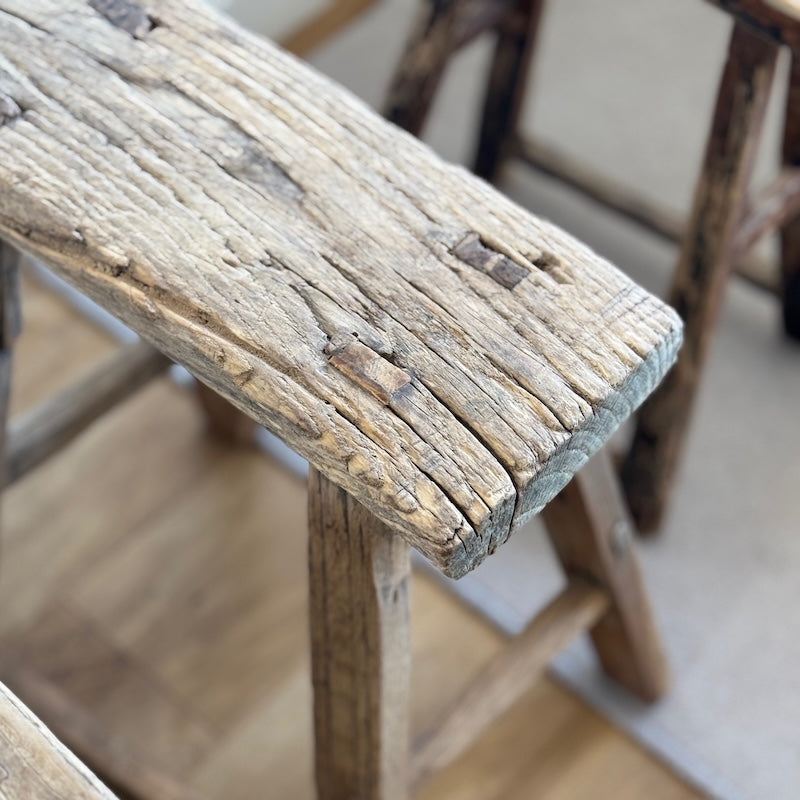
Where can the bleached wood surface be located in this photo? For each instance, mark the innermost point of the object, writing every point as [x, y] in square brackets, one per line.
[443, 355]
[34, 765]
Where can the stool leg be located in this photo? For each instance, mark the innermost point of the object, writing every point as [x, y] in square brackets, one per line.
[506, 87]
[422, 66]
[10, 324]
[225, 421]
[592, 534]
[360, 648]
[790, 235]
[699, 279]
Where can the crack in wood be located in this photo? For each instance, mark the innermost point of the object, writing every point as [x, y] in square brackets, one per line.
[126, 15]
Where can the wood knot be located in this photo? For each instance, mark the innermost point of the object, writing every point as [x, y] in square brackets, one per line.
[126, 15]
[364, 366]
[472, 250]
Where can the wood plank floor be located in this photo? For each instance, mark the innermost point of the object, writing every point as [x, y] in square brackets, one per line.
[158, 577]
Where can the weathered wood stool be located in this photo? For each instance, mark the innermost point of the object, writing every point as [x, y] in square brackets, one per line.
[723, 227]
[444, 360]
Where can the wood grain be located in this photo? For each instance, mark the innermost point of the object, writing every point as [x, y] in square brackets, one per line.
[34, 765]
[705, 260]
[239, 210]
[360, 648]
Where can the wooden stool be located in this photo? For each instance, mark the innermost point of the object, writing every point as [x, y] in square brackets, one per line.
[445, 361]
[723, 226]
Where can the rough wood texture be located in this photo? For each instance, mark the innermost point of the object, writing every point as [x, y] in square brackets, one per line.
[699, 280]
[360, 648]
[506, 678]
[239, 210]
[505, 90]
[790, 235]
[592, 533]
[34, 765]
[45, 429]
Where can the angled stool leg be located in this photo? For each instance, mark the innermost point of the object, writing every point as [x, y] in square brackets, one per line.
[423, 63]
[590, 529]
[360, 648]
[506, 87]
[225, 421]
[699, 279]
[10, 324]
[790, 235]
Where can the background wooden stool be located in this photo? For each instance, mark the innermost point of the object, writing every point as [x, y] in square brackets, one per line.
[724, 224]
[338, 283]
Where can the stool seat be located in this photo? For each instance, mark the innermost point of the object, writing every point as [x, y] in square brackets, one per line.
[441, 354]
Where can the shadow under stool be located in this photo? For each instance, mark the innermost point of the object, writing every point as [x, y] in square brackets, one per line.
[449, 364]
[724, 223]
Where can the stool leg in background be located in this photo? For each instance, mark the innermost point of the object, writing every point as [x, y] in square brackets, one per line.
[592, 534]
[790, 235]
[697, 289]
[506, 87]
[423, 63]
[225, 421]
[10, 325]
[359, 575]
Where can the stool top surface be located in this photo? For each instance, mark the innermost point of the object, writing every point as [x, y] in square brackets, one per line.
[442, 354]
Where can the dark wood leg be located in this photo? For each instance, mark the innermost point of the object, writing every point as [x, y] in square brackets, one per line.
[506, 87]
[649, 469]
[423, 63]
[790, 235]
[590, 529]
[225, 421]
[10, 325]
[360, 648]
